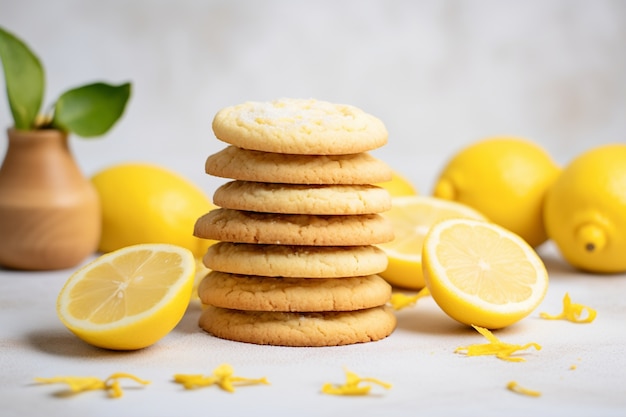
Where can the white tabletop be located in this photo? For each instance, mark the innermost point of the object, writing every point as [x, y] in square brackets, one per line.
[579, 370]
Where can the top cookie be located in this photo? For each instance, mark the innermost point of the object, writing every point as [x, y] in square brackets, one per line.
[299, 126]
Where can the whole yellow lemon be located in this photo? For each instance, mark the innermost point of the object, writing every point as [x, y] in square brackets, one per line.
[146, 203]
[585, 210]
[399, 185]
[505, 178]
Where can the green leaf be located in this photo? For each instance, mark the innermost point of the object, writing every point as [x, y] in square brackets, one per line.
[90, 110]
[24, 78]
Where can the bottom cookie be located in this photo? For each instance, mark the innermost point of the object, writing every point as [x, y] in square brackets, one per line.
[299, 329]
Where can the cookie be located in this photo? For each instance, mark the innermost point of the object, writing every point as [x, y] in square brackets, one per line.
[293, 229]
[302, 199]
[295, 261]
[299, 329]
[246, 165]
[299, 126]
[246, 292]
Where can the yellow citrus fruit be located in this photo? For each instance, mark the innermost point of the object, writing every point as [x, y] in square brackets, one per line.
[585, 210]
[505, 178]
[482, 274]
[398, 186]
[412, 217]
[129, 298]
[145, 203]
[201, 272]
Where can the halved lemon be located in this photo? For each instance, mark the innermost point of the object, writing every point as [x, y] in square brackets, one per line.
[129, 298]
[482, 274]
[412, 217]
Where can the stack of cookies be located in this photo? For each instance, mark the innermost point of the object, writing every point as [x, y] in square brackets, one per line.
[298, 223]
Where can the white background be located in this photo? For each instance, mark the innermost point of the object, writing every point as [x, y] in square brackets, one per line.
[440, 73]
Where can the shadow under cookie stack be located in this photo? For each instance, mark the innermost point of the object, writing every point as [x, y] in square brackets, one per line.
[297, 226]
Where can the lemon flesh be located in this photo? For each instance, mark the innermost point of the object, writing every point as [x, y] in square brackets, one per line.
[129, 298]
[482, 274]
[412, 217]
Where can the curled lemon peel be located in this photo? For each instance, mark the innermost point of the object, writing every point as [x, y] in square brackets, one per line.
[399, 300]
[572, 312]
[351, 386]
[501, 350]
[515, 387]
[77, 384]
[223, 376]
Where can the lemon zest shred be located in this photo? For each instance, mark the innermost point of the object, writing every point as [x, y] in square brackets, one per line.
[77, 384]
[351, 386]
[515, 387]
[223, 376]
[572, 312]
[501, 350]
[399, 300]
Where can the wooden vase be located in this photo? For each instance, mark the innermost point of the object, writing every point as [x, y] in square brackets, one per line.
[49, 212]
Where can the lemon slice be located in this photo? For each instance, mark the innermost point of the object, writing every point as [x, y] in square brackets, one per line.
[412, 217]
[482, 274]
[129, 298]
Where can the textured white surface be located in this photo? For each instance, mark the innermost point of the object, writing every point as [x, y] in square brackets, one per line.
[418, 359]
